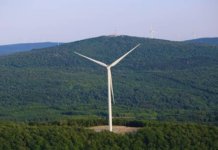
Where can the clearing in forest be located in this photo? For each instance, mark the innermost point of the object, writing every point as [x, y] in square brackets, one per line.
[116, 129]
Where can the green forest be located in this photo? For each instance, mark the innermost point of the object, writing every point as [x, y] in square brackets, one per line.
[49, 97]
[161, 80]
[74, 134]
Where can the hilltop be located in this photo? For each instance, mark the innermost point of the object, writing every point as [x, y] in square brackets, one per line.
[161, 80]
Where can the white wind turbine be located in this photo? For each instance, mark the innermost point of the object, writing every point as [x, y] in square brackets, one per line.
[152, 32]
[110, 86]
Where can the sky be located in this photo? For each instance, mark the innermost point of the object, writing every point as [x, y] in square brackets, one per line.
[24, 21]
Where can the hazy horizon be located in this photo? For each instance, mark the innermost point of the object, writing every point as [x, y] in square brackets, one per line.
[90, 38]
[28, 21]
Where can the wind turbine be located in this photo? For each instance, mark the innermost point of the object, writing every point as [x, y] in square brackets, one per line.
[109, 76]
[152, 32]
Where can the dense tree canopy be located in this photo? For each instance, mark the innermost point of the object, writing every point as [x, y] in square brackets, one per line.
[161, 80]
[153, 135]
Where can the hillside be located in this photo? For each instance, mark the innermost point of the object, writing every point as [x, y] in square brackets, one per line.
[161, 80]
[14, 48]
[208, 41]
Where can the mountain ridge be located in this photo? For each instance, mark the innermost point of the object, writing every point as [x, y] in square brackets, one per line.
[208, 41]
[21, 47]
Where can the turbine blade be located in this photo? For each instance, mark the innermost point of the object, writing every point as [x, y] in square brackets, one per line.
[93, 60]
[118, 60]
[111, 87]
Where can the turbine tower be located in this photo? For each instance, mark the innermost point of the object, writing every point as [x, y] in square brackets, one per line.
[109, 76]
[152, 32]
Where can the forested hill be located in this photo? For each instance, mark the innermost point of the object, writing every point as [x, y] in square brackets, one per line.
[13, 48]
[208, 41]
[151, 55]
[161, 80]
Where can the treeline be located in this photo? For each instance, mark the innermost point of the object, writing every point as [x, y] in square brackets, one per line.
[88, 122]
[152, 135]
